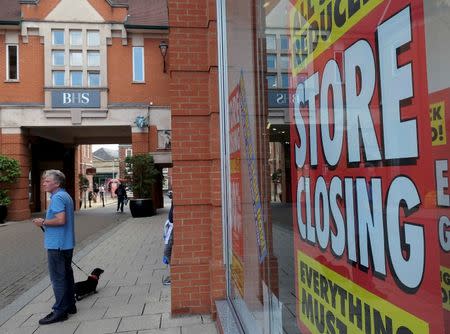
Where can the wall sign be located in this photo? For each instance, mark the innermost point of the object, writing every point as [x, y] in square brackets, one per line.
[278, 98]
[79, 98]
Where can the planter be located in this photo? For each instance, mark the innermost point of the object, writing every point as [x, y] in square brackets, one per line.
[141, 207]
[3, 213]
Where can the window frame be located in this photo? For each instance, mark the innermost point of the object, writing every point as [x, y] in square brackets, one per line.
[274, 56]
[89, 81]
[92, 52]
[272, 75]
[134, 64]
[288, 39]
[274, 36]
[88, 32]
[70, 58]
[8, 65]
[53, 78]
[71, 40]
[71, 81]
[53, 37]
[53, 58]
[284, 75]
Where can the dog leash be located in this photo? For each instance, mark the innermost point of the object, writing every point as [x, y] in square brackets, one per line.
[76, 265]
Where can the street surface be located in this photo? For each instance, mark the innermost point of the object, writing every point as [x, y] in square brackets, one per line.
[23, 260]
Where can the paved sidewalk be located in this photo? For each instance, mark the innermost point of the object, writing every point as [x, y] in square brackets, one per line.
[130, 298]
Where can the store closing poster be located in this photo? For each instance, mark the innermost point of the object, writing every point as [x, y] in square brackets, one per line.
[366, 242]
[439, 199]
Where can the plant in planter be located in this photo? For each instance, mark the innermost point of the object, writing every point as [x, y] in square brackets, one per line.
[141, 174]
[9, 173]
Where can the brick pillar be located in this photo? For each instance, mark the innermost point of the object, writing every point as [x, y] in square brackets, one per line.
[197, 269]
[14, 144]
[140, 140]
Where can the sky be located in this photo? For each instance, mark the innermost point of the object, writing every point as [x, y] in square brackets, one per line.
[111, 146]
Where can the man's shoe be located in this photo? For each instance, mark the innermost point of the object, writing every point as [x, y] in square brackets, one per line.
[167, 281]
[72, 310]
[52, 318]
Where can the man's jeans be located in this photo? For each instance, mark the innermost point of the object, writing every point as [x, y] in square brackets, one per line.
[61, 276]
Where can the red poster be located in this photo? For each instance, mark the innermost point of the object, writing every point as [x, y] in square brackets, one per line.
[439, 198]
[365, 240]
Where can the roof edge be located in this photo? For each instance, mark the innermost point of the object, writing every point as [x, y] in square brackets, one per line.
[112, 4]
[138, 26]
[29, 2]
[7, 23]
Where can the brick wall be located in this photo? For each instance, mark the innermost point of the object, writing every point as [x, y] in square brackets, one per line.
[197, 270]
[16, 146]
[120, 74]
[31, 73]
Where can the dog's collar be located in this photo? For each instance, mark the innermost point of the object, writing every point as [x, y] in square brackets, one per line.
[94, 277]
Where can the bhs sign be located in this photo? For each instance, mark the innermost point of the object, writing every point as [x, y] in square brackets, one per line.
[279, 98]
[79, 98]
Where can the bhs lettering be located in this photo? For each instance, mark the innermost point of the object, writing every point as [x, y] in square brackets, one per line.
[80, 98]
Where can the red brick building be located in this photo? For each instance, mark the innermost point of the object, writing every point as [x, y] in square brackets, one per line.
[79, 72]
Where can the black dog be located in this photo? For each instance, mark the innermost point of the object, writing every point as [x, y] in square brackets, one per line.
[89, 286]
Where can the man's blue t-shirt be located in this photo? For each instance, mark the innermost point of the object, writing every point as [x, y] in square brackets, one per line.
[60, 237]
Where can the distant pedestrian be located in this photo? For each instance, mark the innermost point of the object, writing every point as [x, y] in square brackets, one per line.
[101, 190]
[59, 240]
[121, 197]
[168, 239]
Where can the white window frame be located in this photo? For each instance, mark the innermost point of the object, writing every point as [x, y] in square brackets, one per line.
[143, 64]
[70, 58]
[53, 37]
[53, 79]
[64, 58]
[99, 78]
[70, 37]
[129, 152]
[87, 38]
[70, 77]
[92, 52]
[7, 62]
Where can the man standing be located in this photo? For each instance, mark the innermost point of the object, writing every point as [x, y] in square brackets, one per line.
[102, 194]
[121, 197]
[59, 240]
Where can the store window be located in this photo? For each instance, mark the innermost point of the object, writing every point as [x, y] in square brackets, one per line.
[138, 64]
[12, 61]
[337, 215]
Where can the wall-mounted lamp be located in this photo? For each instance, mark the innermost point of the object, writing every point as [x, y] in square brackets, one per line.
[163, 46]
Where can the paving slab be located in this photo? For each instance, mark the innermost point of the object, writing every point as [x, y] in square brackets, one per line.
[140, 322]
[124, 310]
[130, 295]
[101, 326]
